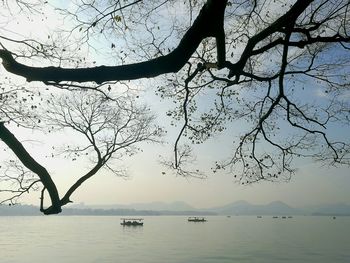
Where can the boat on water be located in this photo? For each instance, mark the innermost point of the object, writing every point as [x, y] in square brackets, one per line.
[196, 219]
[132, 221]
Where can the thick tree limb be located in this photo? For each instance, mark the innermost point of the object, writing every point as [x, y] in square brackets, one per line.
[279, 25]
[66, 198]
[56, 203]
[16, 146]
[209, 23]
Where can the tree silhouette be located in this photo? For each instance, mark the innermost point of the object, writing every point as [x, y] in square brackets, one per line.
[279, 69]
[111, 130]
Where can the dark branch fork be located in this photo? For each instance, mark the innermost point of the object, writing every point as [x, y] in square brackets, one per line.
[126, 131]
[209, 23]
[12, 142]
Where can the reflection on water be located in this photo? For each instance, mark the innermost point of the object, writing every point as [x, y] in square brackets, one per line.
[173, 239]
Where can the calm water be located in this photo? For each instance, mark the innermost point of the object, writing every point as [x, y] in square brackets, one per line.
[172, 239]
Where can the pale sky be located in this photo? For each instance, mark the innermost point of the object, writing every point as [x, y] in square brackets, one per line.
[310, 185]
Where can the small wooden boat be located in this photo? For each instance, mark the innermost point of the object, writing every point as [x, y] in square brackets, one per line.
[132, 221]
[196, 219]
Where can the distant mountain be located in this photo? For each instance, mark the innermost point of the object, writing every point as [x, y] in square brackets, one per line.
[29, 210]
[182, 208]
[153, 206]
[245, 208]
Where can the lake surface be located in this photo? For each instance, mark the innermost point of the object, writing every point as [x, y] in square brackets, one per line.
[165, 239]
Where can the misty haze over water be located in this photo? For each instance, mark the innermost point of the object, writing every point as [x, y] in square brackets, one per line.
[182, 208]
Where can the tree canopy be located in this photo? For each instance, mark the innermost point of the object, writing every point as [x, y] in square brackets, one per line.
[277, 69]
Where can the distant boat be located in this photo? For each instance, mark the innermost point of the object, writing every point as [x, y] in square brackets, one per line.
[196, 219]
[275, 217]
[290, 217]
[132, 222]
[334, 217]
[228, 216]
[259, 216]
[284, 217]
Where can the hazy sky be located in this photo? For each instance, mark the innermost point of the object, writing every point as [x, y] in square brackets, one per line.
[310, 185]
